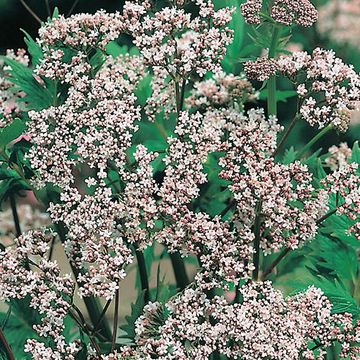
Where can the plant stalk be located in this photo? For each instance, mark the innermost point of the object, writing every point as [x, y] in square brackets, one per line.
[286, 135]
[316, 138]
[6, 346]
[144, 278]
[181, 277]
[271, 85]
[275, 263]
[15, 215]
[256, 257]
[116, 319]
[327, 215]
[91, 303]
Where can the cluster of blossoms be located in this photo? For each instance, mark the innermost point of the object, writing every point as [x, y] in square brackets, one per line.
[26, 272]
[270, 187]
[93, 126]
[176, 46]
[170, 38]
[9, 96]
[93, 244]
[78, 35]
[345, 182]
[192, 325]
[339, 21]
[124, 201]
[261, 69]
[223, 90]
[338, 156]
[225, 254]
[330, 91]
[284, 12]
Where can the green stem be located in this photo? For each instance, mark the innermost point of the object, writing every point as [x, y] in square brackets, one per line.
[180, 95]
[275, 263]
[271, 85]
[316, 138]
[103, 313]
[177, 261]
[144, 279]
[116, 319]
[327, 215]
[256, 257]
[231, 204]
[6, 347]
[15, 215]
[178, 265]
[286, 135]
[91, 303]
[85, 329]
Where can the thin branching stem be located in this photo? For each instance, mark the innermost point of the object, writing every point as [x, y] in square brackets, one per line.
[286, 135]
[271, 85]
[144, 278]
[15, 215]
[74, 5]
[31, 11]
[48, 7]
[257, 229]
[275, 263]
[315, 139]
[5, 346]
[116, 319]
[103, 313]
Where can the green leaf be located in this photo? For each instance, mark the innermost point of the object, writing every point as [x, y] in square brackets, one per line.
[37, 96]
[315, 166]
[355, 156]
[281, 95]
[97, 60]
[17, 332]
[290, 155]
[115, 50]
[164, 291]
[6, 318]
[55, 14]
[11, 132]
[33, 48]
[143, 90]
[237, 24]
[136, 311]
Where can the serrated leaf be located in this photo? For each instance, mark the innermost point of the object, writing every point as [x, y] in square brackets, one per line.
[136, 311]
[33, 48]
[164, 291]
[290, 155]
[37, 96]
[355, 155]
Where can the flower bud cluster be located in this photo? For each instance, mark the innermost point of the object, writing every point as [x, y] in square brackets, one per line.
[193, 325]
[286, 12]
[10, 106]
[25, 272]
[330, 89]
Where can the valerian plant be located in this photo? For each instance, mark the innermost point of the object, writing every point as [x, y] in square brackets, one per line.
[166, 145]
